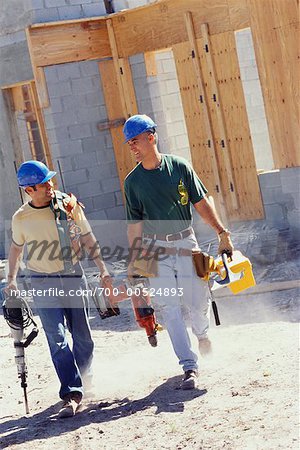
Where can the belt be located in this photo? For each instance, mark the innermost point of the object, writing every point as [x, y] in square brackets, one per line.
[62, 274]
[170, 251]
[169, 237]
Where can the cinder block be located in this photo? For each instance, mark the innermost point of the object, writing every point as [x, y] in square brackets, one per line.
[95, 100]
[93, 144]
[83, 86]
[88, 115]
[110, 185]
[55, 106]
[89, 68]
[94, 9]
[68, 71]
[272, 195]
[60, 89]
[45, 15]
[274, 213]
[290, 185]
[182, 141]
[65, 118]
[51, 74]
[66, 163]
[73, 102]
[116, 213]
[54, 3]
[172, 86]
[136, 59]
[76, 177]
[169, 66]
[269, 179]
[80, 131]
[138, 70]
[119, 199]
[70, 147]
[70, 12]
[37, 4]
[95, 216]
[88, 189]
[85, 161]
[104, 201]
[79, 2]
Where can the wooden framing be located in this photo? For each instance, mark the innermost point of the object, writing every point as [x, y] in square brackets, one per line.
[187, 26]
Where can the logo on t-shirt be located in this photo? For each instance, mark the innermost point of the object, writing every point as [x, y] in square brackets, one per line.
[184, 196]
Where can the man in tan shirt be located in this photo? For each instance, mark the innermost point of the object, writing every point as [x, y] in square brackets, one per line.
[51, 236]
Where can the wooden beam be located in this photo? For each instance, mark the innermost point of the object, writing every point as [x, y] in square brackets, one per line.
[162, 24]
[206, 112]
[39, 75]
[41, 124]
[13, 127]
[150, 63]
[148, 28]
[275, 31]
[68, 42]
[124, 160]
[223, 144]
[114, 51]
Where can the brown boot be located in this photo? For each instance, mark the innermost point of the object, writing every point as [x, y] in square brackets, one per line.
[72, 404]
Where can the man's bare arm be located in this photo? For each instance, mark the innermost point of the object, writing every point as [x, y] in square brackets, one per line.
[14, 260]
[209, 215]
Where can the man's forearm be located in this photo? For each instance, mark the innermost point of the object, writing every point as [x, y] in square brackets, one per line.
[14, 260]
[93, 249]
[209, 215]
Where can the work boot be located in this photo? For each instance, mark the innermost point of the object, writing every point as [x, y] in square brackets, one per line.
[205, 347]
[190, 380]
[72, 404]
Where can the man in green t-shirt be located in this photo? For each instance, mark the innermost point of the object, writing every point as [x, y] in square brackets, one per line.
[160, 192]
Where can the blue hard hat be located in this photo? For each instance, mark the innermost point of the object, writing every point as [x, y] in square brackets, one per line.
[136, 125]
[31, 173]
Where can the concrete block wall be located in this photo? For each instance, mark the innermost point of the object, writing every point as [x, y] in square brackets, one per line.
[84, 156]
[281, 197]
[54, 10]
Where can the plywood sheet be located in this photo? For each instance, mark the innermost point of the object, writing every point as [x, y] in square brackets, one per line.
[237, 128]
[275, 30]
[200, 147]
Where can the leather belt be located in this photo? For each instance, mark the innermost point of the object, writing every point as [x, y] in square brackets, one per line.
[169, 237]
[170, 251]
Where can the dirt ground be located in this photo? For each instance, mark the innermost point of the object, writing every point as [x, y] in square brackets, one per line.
[248, 396]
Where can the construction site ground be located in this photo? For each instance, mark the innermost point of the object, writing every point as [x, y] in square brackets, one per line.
[248, 396]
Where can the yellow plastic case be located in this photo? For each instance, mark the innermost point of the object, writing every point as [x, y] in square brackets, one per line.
[239, 263]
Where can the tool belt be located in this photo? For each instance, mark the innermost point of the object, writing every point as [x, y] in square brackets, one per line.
[169, 237]
[204, 264]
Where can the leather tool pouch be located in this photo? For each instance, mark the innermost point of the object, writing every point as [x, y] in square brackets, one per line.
[147, 266]
[202, 262]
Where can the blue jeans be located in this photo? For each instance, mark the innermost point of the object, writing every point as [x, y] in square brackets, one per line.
[176, 274]
[73, 367]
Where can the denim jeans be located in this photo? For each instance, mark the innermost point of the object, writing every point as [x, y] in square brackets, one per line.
[73, 366]
[176, 274]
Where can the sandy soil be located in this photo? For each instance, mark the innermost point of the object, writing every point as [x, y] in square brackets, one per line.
[247, 399]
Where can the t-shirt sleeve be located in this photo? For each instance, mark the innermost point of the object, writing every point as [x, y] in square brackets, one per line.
[196, 188]
[17, 233]
[81, 220]
[134, 211]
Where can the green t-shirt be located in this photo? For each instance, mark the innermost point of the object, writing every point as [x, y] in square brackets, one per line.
[162, 197]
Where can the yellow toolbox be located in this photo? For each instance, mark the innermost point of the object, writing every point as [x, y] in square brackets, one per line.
[238, 263]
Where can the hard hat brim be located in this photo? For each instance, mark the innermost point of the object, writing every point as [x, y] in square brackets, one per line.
[50, 175]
